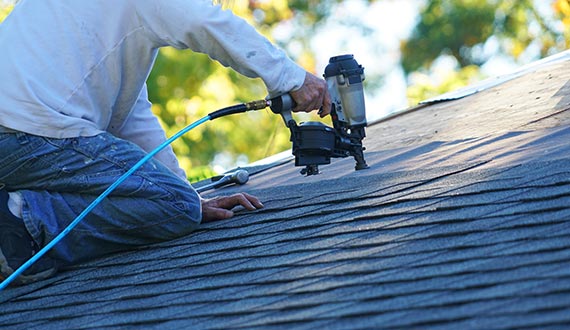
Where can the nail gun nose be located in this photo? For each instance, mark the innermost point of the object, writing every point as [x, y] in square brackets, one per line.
[237, 177]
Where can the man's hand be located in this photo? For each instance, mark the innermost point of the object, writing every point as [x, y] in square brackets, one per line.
[219, 208]
[312, 95]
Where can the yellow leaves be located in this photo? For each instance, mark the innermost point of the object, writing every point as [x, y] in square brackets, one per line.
[261, 12]
[239, 7]
[562, 9]
[170, 52]
[157, 110]
[307, 61]
[193, 106]
[185, 162]
[268, 14]
[4, 11]
[279, 8]
[517, 48]
[218, 87]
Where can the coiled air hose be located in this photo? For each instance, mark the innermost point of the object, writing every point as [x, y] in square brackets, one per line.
[239, 108]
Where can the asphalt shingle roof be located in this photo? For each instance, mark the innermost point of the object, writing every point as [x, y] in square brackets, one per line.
[462, 221]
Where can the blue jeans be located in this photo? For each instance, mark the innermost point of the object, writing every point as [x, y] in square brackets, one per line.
[59, 178]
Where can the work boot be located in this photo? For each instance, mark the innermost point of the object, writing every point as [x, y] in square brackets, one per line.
[17, 247]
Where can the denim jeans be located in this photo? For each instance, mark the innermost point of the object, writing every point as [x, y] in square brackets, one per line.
[59, 178]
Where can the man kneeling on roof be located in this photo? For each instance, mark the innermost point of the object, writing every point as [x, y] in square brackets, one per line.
[74, 117]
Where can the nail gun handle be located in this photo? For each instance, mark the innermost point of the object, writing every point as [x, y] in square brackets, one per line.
[282, 105]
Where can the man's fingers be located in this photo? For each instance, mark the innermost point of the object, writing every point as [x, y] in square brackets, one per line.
[254, 201]
[219, 208]
[308, 101]
[240, 199]
[326, 108]
[247, 201]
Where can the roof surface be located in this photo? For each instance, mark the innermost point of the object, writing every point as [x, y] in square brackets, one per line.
[462, 221]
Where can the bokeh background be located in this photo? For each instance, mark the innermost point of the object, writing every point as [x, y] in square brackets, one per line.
[411, 50]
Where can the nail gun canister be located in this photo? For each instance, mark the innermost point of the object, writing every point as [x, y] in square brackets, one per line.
[315, 144]
[344, 78]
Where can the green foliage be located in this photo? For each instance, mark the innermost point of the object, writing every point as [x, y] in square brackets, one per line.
[462, 28]
[185, 86]
[199, 173]
[448, 26]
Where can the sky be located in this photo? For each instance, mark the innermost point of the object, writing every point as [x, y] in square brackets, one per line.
[391, 21]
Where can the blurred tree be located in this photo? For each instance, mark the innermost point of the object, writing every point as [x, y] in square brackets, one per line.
[522, 30]
[461, 28]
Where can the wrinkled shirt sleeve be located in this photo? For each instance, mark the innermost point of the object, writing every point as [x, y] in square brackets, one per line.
[226, 38]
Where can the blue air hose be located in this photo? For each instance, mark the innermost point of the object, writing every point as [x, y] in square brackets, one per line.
[255, 105]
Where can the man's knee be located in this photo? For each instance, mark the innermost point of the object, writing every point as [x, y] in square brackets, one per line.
[187, 213]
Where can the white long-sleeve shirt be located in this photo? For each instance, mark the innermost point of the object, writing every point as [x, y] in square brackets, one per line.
[72, 68]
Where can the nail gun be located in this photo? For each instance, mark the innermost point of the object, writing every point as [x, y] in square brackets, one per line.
[315, 143]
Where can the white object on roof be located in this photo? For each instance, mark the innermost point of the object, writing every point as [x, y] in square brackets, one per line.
[492, 82]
